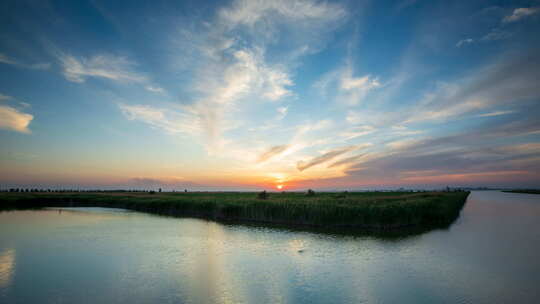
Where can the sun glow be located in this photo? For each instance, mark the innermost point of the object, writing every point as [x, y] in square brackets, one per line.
[279, 187]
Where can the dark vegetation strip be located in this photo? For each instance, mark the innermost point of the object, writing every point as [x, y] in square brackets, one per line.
[364, 210]
[529, 191]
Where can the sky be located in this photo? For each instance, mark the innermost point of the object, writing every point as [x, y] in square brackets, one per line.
[276, 95]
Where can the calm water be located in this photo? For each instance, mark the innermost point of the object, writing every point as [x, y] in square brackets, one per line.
[92, 255]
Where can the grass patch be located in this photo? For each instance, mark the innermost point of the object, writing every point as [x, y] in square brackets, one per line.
[364, 210]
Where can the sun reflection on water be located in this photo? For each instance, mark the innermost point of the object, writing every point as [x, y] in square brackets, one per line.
[7, 267]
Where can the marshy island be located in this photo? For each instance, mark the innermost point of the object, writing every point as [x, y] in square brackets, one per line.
[350, 210]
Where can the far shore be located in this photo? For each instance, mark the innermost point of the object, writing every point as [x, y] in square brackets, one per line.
[528, 191]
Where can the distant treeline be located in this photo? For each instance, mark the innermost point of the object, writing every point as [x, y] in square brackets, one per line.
[65, 190]
[39, 190]
[529, 191]
[49, 190]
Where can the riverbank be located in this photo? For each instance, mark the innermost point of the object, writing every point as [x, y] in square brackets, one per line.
[358, 210]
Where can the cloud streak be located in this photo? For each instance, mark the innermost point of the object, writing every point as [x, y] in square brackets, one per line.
[272, 152]
[509, 81]
[105, 66]
[35, 66]
[464, 42]
[326, 157]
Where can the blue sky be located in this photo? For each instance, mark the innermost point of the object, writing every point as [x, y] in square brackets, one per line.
[261, 94]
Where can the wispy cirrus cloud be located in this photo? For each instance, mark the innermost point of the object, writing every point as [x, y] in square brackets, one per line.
[117, 68]
[34, 66]
[325, 157]
[232, 63]
[346, 88]
[508, 81]
[501, 32]
[464, 42]
[348, 161]
[434, 160]
[266, 13]
[15, 120]
[496, 34]
[273, 151]
[357, 131]
[521, 13]
[163, 119]
[155, 89]
[495, 113]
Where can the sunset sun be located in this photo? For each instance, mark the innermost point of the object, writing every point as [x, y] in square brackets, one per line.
[279, 187]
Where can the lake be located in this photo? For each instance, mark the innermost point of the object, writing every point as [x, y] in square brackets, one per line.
[98, 255]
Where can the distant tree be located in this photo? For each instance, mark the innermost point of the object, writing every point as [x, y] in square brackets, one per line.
[159, 190]
[152, 192]
[185, 190]
[310, 193]
[262, 195]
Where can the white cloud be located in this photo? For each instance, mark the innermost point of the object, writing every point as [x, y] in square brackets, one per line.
[164, 119]
[250, 74]
[365, 83]
[111, 67]
[496, 113]
[155, 89]
[245, 77]
[357, 132]
[276, 82]
[520, 13]
[250, 12]
[282, 112]
[348, 90]
[464, 42]
[13, 119]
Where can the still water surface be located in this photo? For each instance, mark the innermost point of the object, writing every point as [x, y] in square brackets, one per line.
[491, 254]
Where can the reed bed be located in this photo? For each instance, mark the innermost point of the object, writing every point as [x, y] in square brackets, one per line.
[370, 210]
